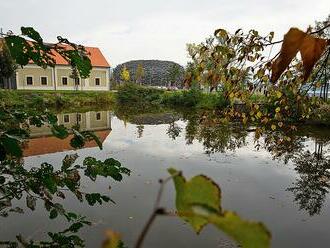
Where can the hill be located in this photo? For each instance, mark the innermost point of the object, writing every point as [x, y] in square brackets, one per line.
[156, 72]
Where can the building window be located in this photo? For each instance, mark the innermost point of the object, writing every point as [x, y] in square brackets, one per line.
[43, 80]
[77, 81]
[66, 118]
[79, 117]
[29, 80]
[98, 116]
[97, 81]
[64, 80]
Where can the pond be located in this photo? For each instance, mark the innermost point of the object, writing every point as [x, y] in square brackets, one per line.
[283, 186]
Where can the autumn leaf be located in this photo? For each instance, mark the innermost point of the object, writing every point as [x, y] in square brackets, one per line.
[311, 50]
[278, 94]
[295, 40]
[113, 240]
[291, 44]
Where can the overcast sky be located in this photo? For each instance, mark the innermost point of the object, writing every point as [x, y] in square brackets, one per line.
[155, 29]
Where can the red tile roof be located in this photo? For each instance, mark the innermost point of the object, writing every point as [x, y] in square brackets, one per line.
[51, 144]
[94, 54]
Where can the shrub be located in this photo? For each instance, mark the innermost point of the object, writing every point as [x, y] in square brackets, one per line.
[213, 101]
[138, 96]
[188, 98]
[194, 98]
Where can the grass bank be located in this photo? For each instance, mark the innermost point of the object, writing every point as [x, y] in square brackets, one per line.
[56, 99]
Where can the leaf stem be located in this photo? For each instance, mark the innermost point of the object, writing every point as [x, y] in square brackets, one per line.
[156, 211]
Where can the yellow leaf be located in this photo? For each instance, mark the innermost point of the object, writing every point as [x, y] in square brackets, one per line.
[259, 114]
[273, 127]
[113, 240]
[278, 109]
[278, 94]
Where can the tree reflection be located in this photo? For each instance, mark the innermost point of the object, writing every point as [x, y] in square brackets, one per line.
[283, 146]
[173, 130]
[312, 166]
[140, 129]
[215, 135]
[313, 184]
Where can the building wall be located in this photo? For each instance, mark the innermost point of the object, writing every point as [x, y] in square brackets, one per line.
[36, 73]
[56, 74]
[101, 74]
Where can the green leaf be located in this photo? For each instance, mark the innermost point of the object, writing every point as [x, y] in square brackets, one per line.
[12, 145]
[110, 167]
[78, 140]
[92, 136]
[50, 183]
[77, 59]
[198, 203]
[53, 214]
[52, 119]
[16, 46]
[75, 227]
[200, 190]
[2, 179]
[31, 33]
[60, 131]
[246, 233]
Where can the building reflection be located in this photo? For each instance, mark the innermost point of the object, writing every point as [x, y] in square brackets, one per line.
[43, 142]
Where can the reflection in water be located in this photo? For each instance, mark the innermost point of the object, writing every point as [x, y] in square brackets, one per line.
[313, 182]
[45, 183]
[140, 129]
[173, 130]
[307, 151]
[42, 141]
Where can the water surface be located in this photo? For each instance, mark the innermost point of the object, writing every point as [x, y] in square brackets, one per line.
[286, 189]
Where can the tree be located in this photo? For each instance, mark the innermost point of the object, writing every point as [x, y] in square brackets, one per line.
[321, 73]
[29, 46]
[173, 74]
[124, 74]
[7, 65]
[228, 59]
[139, 74]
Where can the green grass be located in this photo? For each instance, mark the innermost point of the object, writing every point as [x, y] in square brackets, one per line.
[56, 99]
